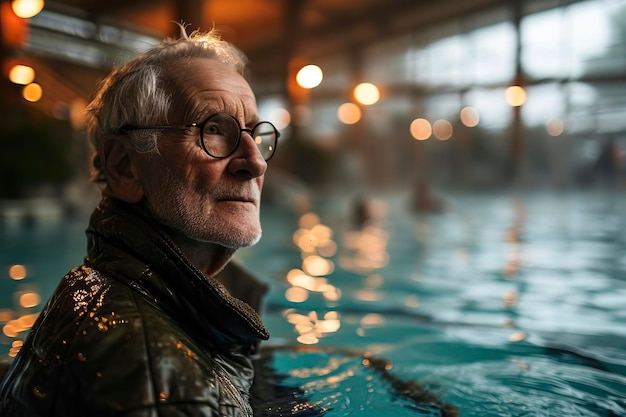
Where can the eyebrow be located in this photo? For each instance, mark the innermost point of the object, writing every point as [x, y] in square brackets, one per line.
[253, 121]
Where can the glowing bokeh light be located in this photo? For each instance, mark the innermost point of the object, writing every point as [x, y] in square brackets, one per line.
[309, 76]
[305, 240]
[30, 299]
[327, 249]
[308, 220]
[280, 118]
[9, 330]
[366, 93]
[349, 113]
[17, 272]
[296, 294]
[555, 127]
[307, 339]
[32, 92]
[310, 327]
[15, 348]
[442, 129]
[469, 116]
[367, 295]
[421, 129]
[328, 325]
[21, 74]
[77, 113]
[515, 95]
[372, 319]
[5, 315]
[317, 265]
[315, 241]
[26, 322]
[322, 232]
[27, 8]
[517, 337]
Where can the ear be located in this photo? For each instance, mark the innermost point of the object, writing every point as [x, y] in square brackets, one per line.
[121, 174]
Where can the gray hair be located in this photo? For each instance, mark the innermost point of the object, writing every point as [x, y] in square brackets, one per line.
[136, 94]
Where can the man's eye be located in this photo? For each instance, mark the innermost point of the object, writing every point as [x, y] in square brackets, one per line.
[213, 129]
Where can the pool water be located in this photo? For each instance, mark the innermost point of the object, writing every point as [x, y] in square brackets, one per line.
[499, 305]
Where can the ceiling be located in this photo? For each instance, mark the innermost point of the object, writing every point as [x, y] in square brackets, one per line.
[276, 29]
[272, 33]
[259, 25]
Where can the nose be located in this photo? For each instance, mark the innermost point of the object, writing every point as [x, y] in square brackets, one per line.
[247, 160]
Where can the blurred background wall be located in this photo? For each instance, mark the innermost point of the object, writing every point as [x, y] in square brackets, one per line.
[369, 94]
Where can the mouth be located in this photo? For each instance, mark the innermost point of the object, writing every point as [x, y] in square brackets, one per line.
[235, 199]
[234, 195]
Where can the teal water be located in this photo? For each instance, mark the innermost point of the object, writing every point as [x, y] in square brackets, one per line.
[500, 305]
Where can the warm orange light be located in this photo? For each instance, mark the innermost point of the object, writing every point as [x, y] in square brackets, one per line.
[372, 319]
[5, 315]
[309, 76]
[21, 74]
[442, 129]
[32, 92]
[515, 95]
[366, 93]
[421, 129]
[77, 113]
[349, 113]
[296, 294]
[555, 127]
[469, 116]
[317, 266]
[9, 330]
[308, 220]
[17, 272]
[307, 339]
[29, 299]
[26, 322]
[27, 8]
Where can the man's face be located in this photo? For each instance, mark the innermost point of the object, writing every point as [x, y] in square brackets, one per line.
[201, 197]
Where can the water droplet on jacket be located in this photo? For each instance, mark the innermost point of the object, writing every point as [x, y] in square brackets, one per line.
[81, 357]
[103, 327]
[39, 393]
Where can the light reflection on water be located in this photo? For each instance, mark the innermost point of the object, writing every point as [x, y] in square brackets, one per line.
[33, 258]
[499, 305]
[507, 305]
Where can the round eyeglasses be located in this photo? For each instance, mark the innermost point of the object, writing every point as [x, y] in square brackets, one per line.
[221, 133]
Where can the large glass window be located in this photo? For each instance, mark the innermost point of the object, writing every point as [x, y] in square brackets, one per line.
[492, 54]
[585, 38]
[573, 61]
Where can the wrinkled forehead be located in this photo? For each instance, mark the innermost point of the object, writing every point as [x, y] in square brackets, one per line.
[201, 86]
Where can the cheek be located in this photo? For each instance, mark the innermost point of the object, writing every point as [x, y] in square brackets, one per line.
[191, 166]
[204, 177]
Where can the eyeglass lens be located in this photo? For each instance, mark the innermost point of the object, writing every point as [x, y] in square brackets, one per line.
[221, 135]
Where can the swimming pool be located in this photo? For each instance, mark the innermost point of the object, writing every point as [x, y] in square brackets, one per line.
[500, 305]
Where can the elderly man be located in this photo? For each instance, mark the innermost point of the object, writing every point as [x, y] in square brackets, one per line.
[157, 322]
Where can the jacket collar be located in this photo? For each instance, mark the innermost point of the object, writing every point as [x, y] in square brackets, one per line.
[126, 243]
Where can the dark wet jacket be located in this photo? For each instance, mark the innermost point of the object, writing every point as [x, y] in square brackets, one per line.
[138, 331]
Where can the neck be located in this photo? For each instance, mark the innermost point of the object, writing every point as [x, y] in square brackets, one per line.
[208, 257]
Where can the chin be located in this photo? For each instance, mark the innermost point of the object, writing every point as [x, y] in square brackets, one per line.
[239, 242]
[240, 236]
